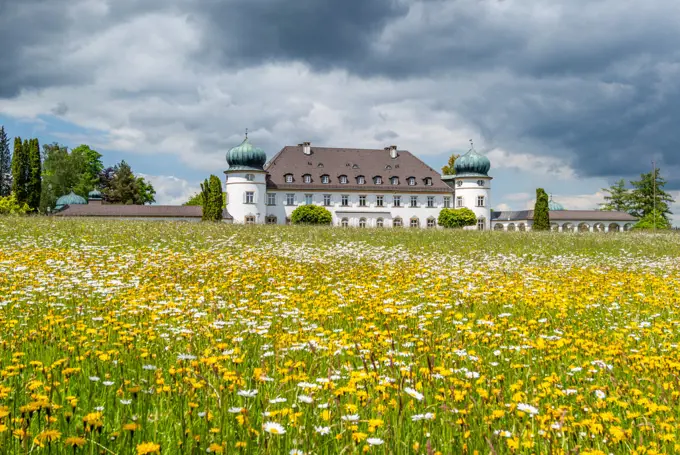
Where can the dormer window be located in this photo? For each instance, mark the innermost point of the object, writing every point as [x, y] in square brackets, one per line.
[307, 178]
[355, 166]
[411, 181]
[394, 180]
[388, 167]
[289, 178]
[377, 180]
[325, 179]
[428, 181]
[343, 179]
[361, 180]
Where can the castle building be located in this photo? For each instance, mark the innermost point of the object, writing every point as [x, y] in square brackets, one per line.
[359, 187]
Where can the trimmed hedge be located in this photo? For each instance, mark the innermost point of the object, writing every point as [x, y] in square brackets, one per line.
[311, 214]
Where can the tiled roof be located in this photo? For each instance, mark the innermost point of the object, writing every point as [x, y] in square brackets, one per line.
[353, 163]
[564, 215]
[136, 211]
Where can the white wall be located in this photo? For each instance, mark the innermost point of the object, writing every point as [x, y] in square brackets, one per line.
[237, 186]
[469, 189]
[562, 226]
[354, 212]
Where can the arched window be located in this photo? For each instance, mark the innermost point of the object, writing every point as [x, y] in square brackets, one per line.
[598, 227]
[583, 227]
[343, 179]
[554, 227]
[362, 222]
[250, 219]
[379, 222]
[415, 222]
[567, 227]
[522, 227]
[397, 222]
[270, 219]
[431, 223]
[627, 227]
[344, 222]
[511, 227]
[307, 178]
[289, 178]
[613, 227]
[498, 227]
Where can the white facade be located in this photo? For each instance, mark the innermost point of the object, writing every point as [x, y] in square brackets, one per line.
[360, 209]
[474, 192]
[602, 225]
[246, 192]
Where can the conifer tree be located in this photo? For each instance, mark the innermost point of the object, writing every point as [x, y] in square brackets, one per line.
[34, 184]
[215, 198]
[618, 198]
[5, 164]
[541, 211]
[205, 200]
[20, 169]
[648, 195]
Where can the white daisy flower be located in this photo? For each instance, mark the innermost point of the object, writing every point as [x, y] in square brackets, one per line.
[247, 393]
[413, 393]
[322, 430]
[374, 441]
[273, 428]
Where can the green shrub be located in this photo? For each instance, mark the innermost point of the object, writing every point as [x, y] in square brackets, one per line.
[647, 222]
[9, 205]
[311, 214]
[457, 218]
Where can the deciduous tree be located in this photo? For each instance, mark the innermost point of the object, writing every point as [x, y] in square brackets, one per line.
[449, 169]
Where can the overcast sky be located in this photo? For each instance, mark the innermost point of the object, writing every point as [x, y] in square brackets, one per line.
[569, 95]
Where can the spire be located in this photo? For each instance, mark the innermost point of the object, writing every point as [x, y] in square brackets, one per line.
[472, 146]
[246, 133]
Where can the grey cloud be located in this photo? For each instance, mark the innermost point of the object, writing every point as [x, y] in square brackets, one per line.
[386, 135]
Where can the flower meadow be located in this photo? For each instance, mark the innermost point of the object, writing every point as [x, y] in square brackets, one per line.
[121, 337]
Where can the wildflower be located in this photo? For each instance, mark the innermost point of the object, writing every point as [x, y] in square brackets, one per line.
[305, 399]
[274, 428]
[350, 418]
[148, 448]
[296, 452]
[235, 410]
[600, 394]
[374, 441]
[74, 441]
[528, 409]
[414, 393]
[247, 393]
[215, 448]
[427, 416]
[322, 430]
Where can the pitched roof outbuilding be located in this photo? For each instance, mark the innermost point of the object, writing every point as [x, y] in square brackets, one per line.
[136, 211]
[564, 215]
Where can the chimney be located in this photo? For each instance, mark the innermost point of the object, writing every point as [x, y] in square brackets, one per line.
[393, 151]
[307, 148]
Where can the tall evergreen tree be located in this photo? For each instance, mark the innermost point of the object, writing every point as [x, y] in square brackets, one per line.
[34, 185]
[618, 199]
[205, 200]
[541, 211]
[642, 199]
[5, 164]
[123, 188]
[215, 198]
[20, 171]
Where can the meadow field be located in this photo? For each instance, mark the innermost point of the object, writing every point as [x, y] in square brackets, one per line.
[175, 338]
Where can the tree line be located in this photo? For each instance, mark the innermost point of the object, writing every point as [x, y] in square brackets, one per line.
[32, 181]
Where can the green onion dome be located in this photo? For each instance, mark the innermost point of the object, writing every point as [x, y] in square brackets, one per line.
[552, 205]
[94, 195]
[246, 157]
[472, 163]
[70, 199]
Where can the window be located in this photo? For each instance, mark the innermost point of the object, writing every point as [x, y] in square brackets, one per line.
[431, 223]
[250, 177]
[271, 198]
[308, 199]
[428, 181]
[379, 201]
[325, 179]
[307, 178]
[250, 219]
[362, 222]
[377, 180]
[480, 224]
[344, 200]
[344, 222]
[361, 180]
[459, 201]
[447, 201]
[480, 182]
[270, 219]
[343, 179]
[290, 199]
[394, 180]
[459, 183]
[430, 201]
[326, 200]
[480, 201]
[414, 222]
[411, 181]
[362, 201]
[289, 178]
[414, 201]
[250, 197]
[397, 222]
[379, 222]
[397, 201]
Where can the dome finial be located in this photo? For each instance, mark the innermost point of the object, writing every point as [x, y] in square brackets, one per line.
[472, 145]
[246, 133]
